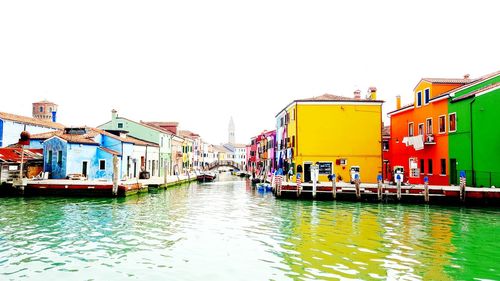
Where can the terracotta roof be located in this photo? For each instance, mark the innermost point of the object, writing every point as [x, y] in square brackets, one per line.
[137, 141]
[448, 80]
[13, 154]
[478, 91]
[477, 81]
[30, 121]
[112, 152]
[386, 131]
[188, 133]
[154, 126]
[45, 101]
[240, 145]
[87, 138]
[402, 108]
[329, 97]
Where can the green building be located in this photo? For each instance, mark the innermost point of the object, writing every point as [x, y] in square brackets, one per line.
[147, 132]
[474, 134]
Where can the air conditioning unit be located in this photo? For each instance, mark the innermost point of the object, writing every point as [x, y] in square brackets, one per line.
[429, 138]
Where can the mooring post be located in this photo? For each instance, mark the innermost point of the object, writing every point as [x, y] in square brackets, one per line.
[379, 187]
[463, 181]
[165, 174]
[356, 184]
[334, 187]
[398, 183]
[298, 181]
[115, 175]
[426, 189]
[314, 176]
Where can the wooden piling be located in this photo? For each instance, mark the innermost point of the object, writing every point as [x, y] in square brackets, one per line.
[115, 175]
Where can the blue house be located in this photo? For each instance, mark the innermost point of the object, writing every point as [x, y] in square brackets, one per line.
[85, 151]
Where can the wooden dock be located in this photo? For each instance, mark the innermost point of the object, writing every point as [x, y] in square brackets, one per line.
[431, 194]
[91, 188]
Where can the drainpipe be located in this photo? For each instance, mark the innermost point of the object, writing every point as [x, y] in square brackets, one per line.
[472, 144]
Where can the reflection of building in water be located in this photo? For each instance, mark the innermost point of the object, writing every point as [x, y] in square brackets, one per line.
[336, 243]
[350, 241]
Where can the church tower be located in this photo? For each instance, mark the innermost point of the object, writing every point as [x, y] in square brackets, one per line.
[231, 131]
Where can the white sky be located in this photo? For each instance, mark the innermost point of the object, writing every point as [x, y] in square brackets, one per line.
[200, 62]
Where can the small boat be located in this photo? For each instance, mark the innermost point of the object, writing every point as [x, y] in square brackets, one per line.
[206, 177]
[264, 187]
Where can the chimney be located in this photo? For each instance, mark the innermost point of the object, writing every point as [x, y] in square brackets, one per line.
[466, 76]
[357, 94]
[114, 114]
[398, 102]
[372, 93]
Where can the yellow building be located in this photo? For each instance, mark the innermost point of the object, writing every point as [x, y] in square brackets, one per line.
[335, 132]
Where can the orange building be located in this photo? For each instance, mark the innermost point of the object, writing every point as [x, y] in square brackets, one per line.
[419, 133]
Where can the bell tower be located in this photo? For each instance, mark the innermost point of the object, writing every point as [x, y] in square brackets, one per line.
[231, 131]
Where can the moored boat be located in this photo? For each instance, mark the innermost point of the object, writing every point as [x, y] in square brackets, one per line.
[80, 188]
[206, 177]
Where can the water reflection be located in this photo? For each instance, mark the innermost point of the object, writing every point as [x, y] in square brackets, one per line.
[226, 230]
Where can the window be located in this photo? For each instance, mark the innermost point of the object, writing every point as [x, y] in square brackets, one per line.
[41, 108]
[50, 109]
[419, 99]
[429, 168]
[442, 124]
[414, 171]
[102, 164]
[120, 125]
[410, 129]
[443, 166]
[293, 141]
[49, 158]
[428, 126]
[59, 157]
[422, 166]
[427, 96]
[421, 129]
[385, 145]
[452, 121]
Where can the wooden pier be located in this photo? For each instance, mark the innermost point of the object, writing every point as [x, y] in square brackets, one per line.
[390, 193]
[91, 188]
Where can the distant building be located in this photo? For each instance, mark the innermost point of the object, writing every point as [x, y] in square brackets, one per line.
[12, 125]
[45, 110]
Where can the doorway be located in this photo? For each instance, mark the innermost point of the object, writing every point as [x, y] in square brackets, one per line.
[85, 165]
[307, 172]
[453, 172]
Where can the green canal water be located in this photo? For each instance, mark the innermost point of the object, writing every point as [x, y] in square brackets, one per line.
[227, 231]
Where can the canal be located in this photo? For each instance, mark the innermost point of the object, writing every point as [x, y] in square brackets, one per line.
[227, 231]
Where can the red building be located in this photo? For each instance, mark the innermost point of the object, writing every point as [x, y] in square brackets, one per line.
[419, 137]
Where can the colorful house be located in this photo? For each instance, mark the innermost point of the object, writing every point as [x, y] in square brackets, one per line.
[85, 151]
[337, 133]
[253, 157]
[147, 132]
[474, 143]
[420, 131]
[266, 152]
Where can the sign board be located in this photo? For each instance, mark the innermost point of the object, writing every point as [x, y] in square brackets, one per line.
[325, 168]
